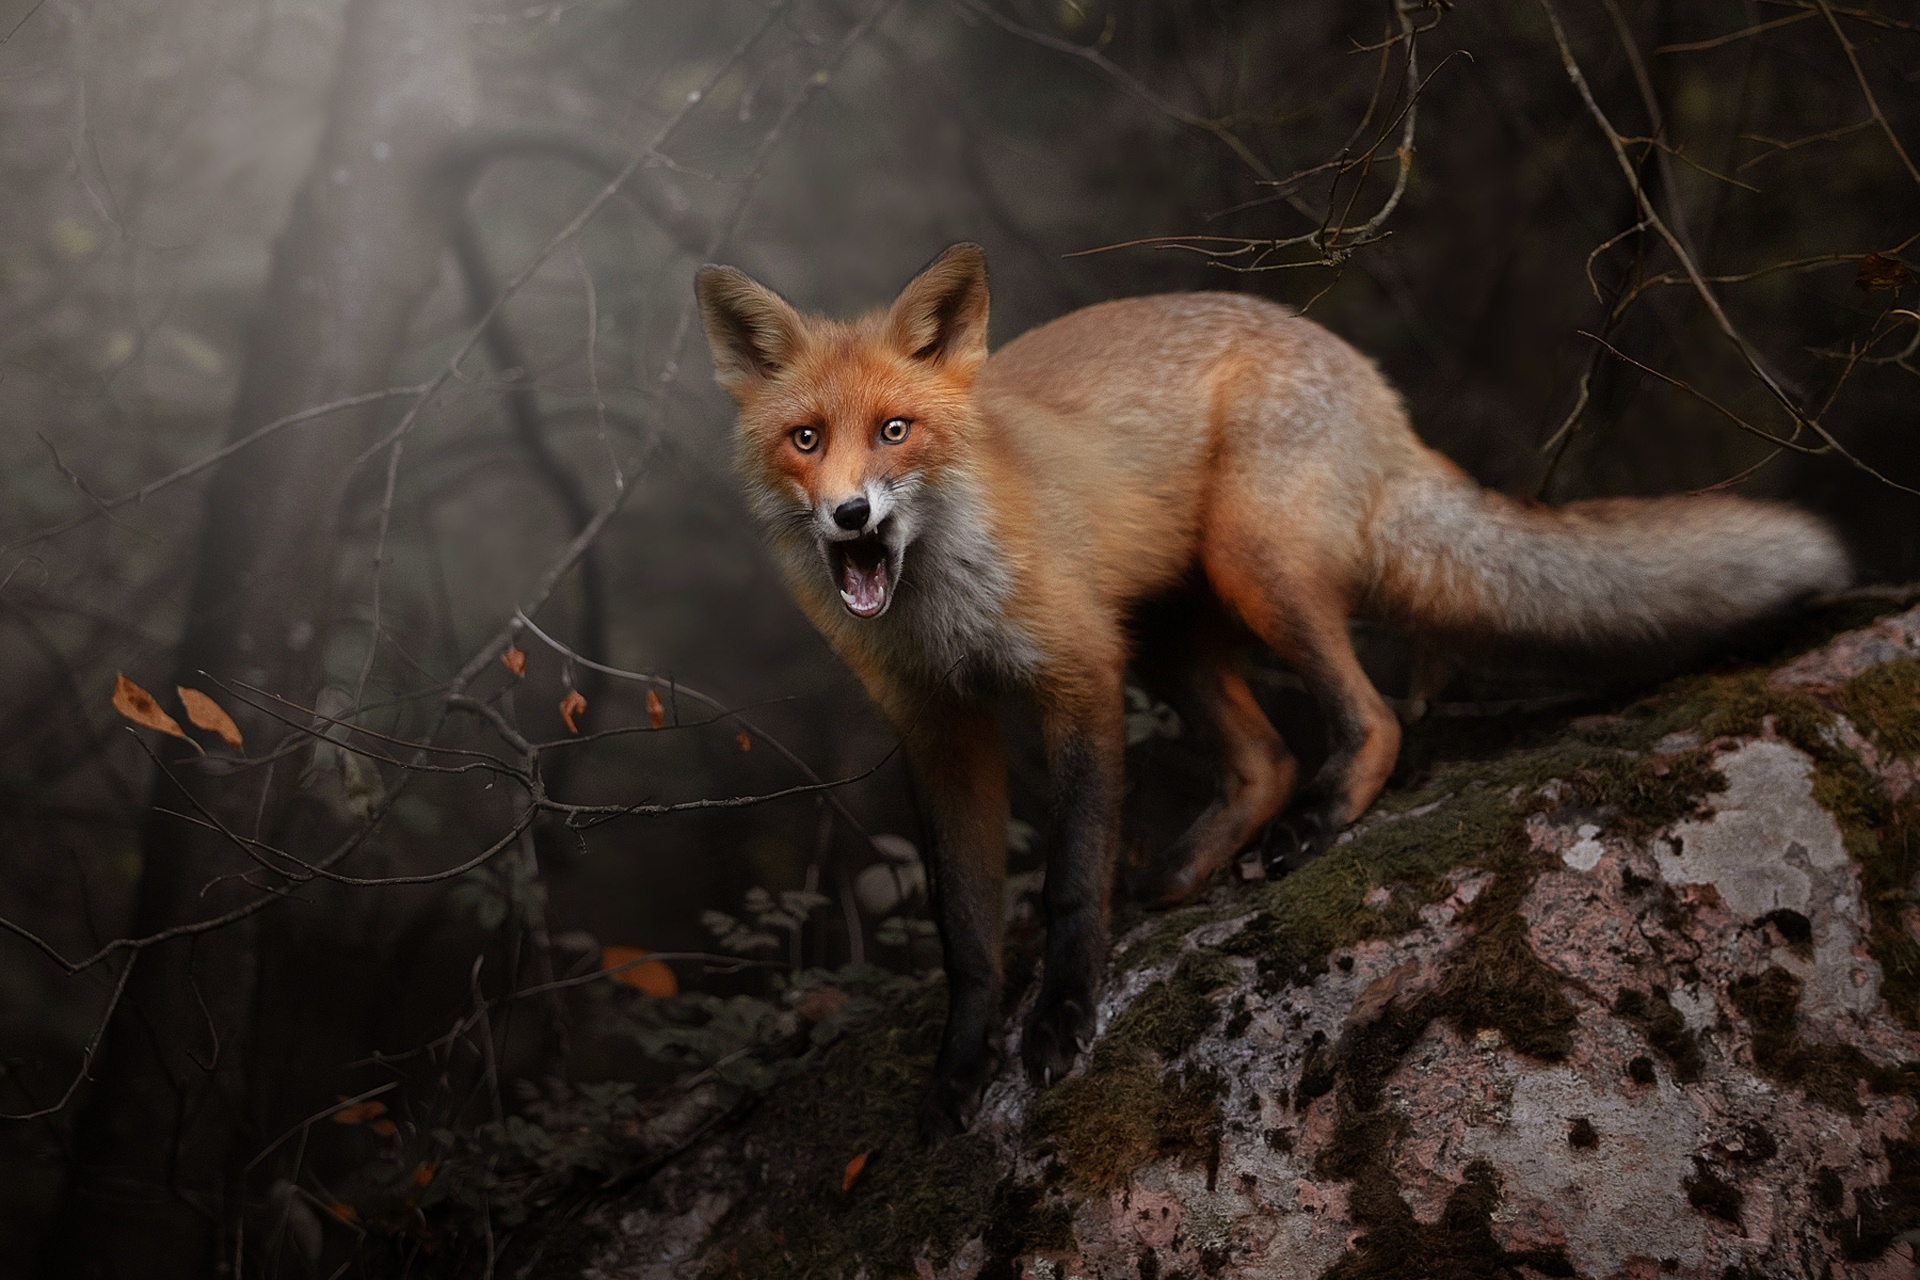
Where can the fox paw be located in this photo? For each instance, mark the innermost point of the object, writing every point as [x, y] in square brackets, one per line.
[945, 1113]
[1296, 839]
[948, 1109]
[1054, 1036]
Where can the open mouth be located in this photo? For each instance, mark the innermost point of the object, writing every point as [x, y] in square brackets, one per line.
[862, 570]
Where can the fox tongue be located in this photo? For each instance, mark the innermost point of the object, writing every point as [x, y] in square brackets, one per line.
[863, 582]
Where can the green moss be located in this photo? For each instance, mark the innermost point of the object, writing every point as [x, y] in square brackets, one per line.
[1394, 1245]
[1640, 794]
[1498, 982]
[1127, 1109]
[1361, 1141]
[1725, 704]
[1164, 939]
[1301, 920]
[1656, 1019]
[1885, 701]
[1172, 1015]
[1107, 1123]
[1830, 1074]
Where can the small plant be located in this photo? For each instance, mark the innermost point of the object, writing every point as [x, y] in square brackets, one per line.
[1147, 718]
[751, 1041]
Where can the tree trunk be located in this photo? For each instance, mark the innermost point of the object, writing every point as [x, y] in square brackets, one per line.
[170, 1118]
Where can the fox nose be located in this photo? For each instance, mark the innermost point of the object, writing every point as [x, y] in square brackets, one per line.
[852, 514]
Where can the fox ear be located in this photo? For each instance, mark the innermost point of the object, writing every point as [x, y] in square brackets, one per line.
[942, 315]
[754, 333]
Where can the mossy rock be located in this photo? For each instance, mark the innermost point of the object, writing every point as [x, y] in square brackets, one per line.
[1272, 1054]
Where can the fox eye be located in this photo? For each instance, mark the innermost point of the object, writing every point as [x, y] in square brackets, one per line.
[805, 439]
[894, 430]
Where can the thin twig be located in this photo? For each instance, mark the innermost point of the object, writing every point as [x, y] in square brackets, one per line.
[86, 1054]
[1866, 90]
[1739, 340]
[147, 490]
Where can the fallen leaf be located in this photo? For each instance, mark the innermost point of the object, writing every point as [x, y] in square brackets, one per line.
[571, 706]
[854, 1166]
[1879, 271]
[656, 713]
[137, 705]
[746, 743]
[360, 1112]
[515, 659]
[423, 1172]
[206, 714]
[653, 976]
[343, 1211]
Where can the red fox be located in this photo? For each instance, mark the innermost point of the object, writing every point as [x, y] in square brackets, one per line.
[960, 525]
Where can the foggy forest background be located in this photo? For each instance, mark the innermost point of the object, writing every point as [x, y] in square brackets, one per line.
[349, 377]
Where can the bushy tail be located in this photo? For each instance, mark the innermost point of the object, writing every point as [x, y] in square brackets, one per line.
[1449, 556]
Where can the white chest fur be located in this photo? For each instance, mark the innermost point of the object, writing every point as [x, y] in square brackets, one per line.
[951, 609]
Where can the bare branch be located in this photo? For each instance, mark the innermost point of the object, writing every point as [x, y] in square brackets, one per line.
[1866, 90]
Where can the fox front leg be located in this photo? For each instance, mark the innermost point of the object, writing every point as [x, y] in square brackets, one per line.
[1086, 740]
[958, 756]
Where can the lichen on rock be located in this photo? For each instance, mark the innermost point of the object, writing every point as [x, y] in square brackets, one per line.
[1640, 1000]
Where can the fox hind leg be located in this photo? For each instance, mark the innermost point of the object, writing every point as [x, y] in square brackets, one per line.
[1305, 624]
[1363, 740]
[1257, 772]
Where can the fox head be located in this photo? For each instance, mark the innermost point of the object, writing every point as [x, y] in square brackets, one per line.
[848, 430]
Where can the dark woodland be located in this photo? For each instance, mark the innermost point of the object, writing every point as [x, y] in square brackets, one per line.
[350, 379]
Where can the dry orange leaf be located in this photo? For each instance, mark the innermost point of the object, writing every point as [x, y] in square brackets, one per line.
[652, 976]
[854, 1166]
[360, 1112]
[656, 713]
[343, 1211]
[206, 714]
[423, 1172]
[137, 705]
[515, 659]
[1878, 271]
[570, 707]
[746, 743]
